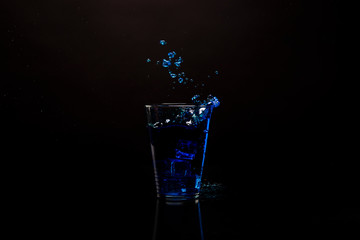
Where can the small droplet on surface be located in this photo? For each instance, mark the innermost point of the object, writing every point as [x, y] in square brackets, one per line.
[148, 60]
[163, 42]
[173, 75]
[180, 80]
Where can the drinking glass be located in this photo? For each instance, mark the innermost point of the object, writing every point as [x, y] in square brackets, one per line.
[178, 136]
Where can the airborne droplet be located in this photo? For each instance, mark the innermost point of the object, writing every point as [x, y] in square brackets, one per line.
[166, 63]
[171, 54]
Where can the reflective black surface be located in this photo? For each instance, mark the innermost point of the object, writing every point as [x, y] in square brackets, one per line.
[75, 193]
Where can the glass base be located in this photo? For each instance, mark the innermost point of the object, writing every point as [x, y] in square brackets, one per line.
[177, 198]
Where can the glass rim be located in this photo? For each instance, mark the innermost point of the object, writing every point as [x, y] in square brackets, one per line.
[175, 105]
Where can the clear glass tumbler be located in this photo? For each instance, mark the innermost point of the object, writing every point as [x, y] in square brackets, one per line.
[178, 135]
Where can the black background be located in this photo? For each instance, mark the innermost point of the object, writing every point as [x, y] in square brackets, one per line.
[74, 83]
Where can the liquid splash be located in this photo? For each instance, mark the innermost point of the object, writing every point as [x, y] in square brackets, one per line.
[173, 64]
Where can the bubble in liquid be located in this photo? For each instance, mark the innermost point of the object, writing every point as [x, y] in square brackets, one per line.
[163, 42]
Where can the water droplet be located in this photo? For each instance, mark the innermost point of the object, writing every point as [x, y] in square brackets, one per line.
[163, 42]
[148, 60]
[178, 62]
[171, 54]
[180, 80]
[173, 75]
[166, 63]
[195, 97]
[217, 72]
[213, 100]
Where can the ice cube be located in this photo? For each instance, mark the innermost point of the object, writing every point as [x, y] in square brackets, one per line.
[186, 149]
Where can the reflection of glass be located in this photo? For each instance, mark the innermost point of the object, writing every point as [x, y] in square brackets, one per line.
[177, 220]
[178, 135]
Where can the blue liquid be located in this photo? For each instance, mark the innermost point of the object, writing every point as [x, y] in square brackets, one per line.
[178, 157]
[173, 65]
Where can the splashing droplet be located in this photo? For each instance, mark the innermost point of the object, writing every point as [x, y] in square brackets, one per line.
[194, 98]
[178, 62]
[172, 54]
[166, 63]
[213, 101]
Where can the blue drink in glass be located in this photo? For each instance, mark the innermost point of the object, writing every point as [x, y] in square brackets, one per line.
[178, 136]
